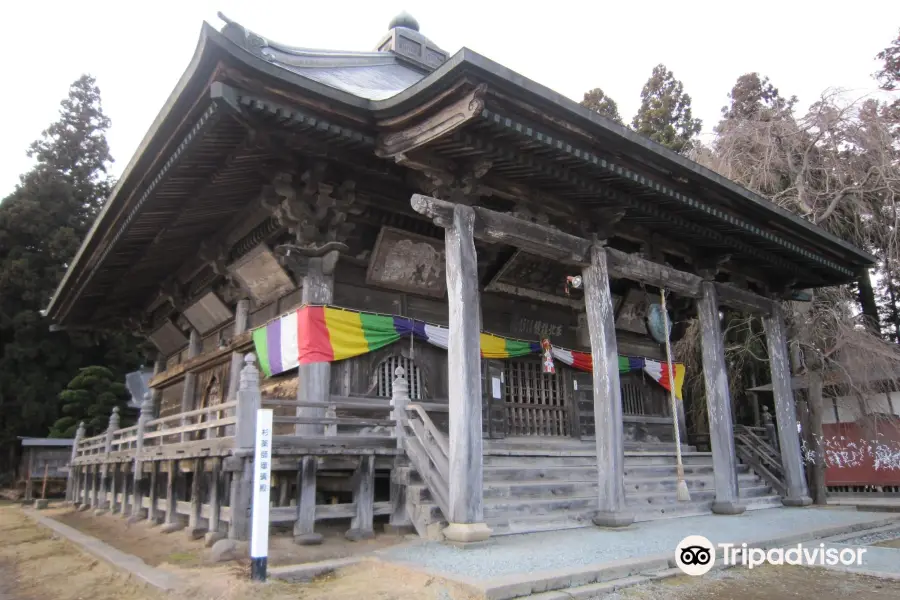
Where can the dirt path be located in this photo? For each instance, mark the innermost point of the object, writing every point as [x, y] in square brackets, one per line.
[156, 549]
[34, 564]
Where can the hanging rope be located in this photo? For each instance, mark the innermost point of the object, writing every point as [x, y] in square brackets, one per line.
[682, 492]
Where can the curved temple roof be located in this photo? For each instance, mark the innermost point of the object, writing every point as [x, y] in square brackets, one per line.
[238, 80]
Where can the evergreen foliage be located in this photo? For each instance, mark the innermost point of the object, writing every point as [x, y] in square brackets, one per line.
[42, 223]
[665, 113]
[90, 397]
[597, 101]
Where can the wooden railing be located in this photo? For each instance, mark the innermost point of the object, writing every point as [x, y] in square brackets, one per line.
[429, 451]
[201, 424]
[764, 459]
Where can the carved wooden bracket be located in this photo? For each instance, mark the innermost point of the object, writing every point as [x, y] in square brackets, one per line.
[315, 212]
[174, 292]
[708, 266]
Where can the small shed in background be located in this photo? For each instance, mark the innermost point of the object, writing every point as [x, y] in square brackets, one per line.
[39, 454]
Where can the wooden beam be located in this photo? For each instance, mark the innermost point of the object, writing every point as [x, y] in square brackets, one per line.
[635, 268]
[742, 300]
[492, 226]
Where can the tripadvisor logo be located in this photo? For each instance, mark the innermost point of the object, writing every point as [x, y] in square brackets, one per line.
[695, 555]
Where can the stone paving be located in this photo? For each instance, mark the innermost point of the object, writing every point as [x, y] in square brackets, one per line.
[557, 550]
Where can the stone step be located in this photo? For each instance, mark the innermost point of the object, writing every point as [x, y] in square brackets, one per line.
[514, 508]
[669, 483]
[762, 502]
[643, 499]
[566, 460]
[668, 471]
[539, 488]
[530, 473]
[666, 458]
[564, 519]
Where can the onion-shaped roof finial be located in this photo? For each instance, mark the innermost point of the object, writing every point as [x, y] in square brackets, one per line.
[404, 19]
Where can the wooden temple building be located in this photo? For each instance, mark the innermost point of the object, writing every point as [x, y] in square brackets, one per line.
[385, 247]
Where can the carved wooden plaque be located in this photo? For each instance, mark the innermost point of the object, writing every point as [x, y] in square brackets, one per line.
[408, 262]
[261, 275]
[633, 313]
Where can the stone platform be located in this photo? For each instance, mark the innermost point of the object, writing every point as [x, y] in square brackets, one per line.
[518, 565]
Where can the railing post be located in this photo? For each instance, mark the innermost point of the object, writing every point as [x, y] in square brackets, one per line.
[331, 413]
[399, 402]
[248, 401]
[103, 501]
[399, 521]
[137, 506]
[771, 433]
[72, 479]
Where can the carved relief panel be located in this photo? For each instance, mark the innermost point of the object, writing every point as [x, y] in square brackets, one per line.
[408, 262]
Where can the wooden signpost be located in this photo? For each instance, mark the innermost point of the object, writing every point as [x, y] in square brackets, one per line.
[262, 485]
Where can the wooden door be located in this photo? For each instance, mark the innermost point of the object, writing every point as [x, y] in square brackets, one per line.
[537, 403]
[583, 394]
[493, 411]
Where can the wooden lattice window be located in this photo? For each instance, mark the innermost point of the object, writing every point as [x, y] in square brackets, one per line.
[384, 384]
[536, 402]
[642, 397]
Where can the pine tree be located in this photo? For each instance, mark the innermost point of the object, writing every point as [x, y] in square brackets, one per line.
[42, 223]
[665, 113]
[90, 397]
[597, 101]
[755, 98]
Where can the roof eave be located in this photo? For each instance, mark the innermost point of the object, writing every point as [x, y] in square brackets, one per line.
[491, 71]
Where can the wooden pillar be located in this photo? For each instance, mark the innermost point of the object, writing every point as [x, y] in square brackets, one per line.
[152, 510]
[241, 318]
[173, 521]
[361, 526]
[464, 364]
[610, 439]
[113, 487]
[718, 404]
[189, 392]
[95, 483]
[315, 379]
[195, 529]
[815, 402]
[304, 527]
[159, 365]
[241, 495]
[29, 482]
[86, 488]
[785, 410]
[213, 535]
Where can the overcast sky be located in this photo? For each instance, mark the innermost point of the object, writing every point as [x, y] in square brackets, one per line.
[138, 54]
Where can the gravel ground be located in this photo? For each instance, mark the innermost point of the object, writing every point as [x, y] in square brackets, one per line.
[767, 583]
[510, 555]
[873, 538]
[875, 559]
